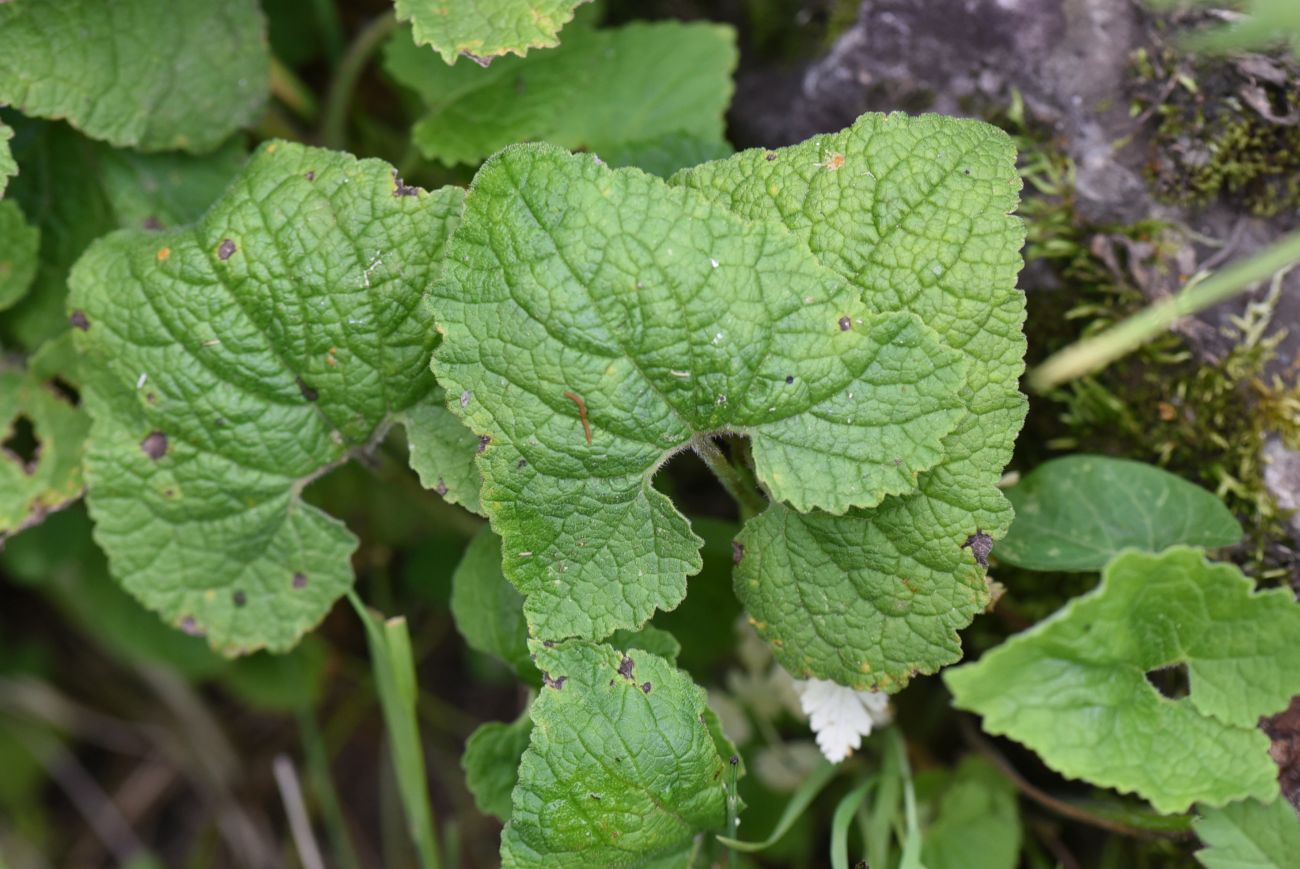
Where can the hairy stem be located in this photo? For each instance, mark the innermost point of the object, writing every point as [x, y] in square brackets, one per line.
[740, 488]
[339, 99]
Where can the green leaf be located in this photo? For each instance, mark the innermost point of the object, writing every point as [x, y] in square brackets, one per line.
[75, 190]
[19, 244]
[621, 767]
[237, 360]
[575, 293]
[1249, 835]
[154, 74]
[8, 168]
[1077, 512]
[491, 763]
[652, 93]
[484, 29]
[442, 452]
[1074, 688]
[976, 822]
[41, 435]
[913, 213]
[489, 612]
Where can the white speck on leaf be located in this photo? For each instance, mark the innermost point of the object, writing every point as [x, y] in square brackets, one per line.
[840, 716]
[139, 384]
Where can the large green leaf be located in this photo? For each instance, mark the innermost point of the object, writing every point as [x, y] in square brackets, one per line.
[601, 321]
[20, 243]
[154, 74]
[484, 29]
[643, 93]
[621, 767]
[236, 361]
[914, 213]
[442, 452]
[491, 763]
[1074, 687]
[1077, 512]
[1249, 835]
[43, 474]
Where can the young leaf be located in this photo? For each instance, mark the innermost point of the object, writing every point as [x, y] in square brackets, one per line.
[913, 212]
[236, 361]
[1074, 688]
[602, 320]
[484, 29]
[8, 168]
[20, 243]
[1077, 512]
[618, 93]
[99, 66]
[1249, 835]
[491, 763]
[621, 766]
[41, 435]
[442, 451]
[976, 822]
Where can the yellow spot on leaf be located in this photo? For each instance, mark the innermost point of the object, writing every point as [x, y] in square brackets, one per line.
[163, 253]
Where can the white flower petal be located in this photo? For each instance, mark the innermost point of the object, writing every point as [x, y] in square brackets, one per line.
[840, 716]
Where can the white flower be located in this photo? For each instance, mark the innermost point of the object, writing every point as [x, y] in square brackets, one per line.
[841, 716]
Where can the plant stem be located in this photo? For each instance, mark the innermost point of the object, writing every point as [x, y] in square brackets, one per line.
[331, 31]
[745, 495]
[290, 90]
[1099, 351]
[339, 99]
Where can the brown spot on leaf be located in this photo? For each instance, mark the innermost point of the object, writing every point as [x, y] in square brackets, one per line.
[845, 324]
[548, 644]
[78, 320]
[163, 253]
[625, 667]
[770, 156]
[226, 250]
[483, 442]
[521, 463]
[310, 175]
[441, 488]
[737, 551]
[239, 598]
[646, 686]
[557, 684]
[154, 445]
[789, 379]
[307, 392]
[400, 188]
[191, 627]
[300, 580]
[1284, 731]
[980, 545]
[152, 223]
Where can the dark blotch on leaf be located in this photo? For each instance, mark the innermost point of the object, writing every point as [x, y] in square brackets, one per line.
[737, 551]
[239, 598]
[154, 445]
[845, 324]
[733, 760]
[549, 644]
[441, 488]
[625, 667]
[980, 545]
[78, 320]
[646, 686]
[521, 463]
[483, 442]
[557, 684]
[152, 223]
[226, 250]
[310, 175]
[465, 397]
[770, 156]
[400, 188]
[307, 392]
[300, 580]
[191, 627]
[789, 378]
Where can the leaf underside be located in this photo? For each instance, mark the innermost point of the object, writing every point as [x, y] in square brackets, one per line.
[1074, 687]
[237, 360]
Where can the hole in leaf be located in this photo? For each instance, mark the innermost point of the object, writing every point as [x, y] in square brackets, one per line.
[66, 391]
[22, 445]
[1170, 681]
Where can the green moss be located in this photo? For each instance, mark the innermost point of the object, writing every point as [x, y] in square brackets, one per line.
[1207, 141]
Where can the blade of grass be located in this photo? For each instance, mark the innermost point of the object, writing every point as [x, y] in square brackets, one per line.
[911, 858]
[394, 669]
[321, 783]
[844, 814]
[1091, 354]
[807, 792]
[880, 823]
